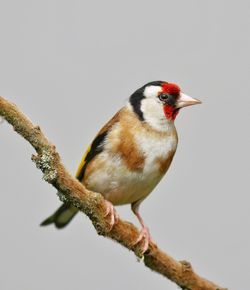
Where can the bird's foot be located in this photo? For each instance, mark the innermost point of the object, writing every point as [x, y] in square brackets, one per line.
[114, 217]
[146, 237]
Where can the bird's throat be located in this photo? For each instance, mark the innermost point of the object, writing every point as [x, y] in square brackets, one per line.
[170, 112]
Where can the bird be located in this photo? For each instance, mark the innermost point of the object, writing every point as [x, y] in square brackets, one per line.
[131, 153]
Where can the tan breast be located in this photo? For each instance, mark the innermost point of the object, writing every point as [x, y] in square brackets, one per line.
[134, 159]
[136, 142]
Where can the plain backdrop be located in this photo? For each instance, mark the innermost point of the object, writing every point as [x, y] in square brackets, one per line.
[70, 65]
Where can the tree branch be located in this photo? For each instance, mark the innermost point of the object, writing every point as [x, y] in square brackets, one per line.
[92, 204]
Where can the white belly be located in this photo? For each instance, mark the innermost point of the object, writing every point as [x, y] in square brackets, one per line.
[120, 185]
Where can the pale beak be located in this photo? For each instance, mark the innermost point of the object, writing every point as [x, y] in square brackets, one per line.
[185, 100]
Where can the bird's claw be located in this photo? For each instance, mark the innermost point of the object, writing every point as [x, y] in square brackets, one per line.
[146, 237]
[114, 217]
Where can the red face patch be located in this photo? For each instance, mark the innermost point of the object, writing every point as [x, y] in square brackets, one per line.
[171, 89]
[170, 112]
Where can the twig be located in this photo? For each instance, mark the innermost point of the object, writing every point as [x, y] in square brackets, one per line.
[93, 205]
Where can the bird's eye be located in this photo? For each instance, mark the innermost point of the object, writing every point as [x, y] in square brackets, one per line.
[164, 97]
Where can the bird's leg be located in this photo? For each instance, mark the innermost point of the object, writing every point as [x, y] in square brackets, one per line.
[112, 212]
[144, 233]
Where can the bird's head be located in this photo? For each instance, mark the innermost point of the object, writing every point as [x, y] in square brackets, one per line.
[157, 101]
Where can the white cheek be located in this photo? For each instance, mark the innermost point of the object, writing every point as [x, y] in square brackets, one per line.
[152, 108]
[152, 91]
[154, 115]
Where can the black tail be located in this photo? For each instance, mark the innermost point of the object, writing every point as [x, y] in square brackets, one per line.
[62, 216]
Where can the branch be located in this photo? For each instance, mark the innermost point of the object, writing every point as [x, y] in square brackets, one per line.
[92, 204]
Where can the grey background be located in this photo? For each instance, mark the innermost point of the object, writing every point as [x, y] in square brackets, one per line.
[70, 65]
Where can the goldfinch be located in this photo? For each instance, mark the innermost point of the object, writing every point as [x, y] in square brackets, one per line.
[131, 153]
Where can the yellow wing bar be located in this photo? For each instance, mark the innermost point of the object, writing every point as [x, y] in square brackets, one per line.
[83, 161]
[95, 148]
